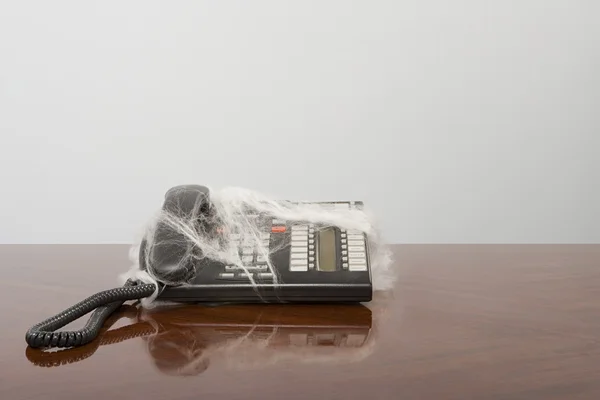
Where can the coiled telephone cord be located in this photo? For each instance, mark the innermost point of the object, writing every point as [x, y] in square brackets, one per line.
[103, 304]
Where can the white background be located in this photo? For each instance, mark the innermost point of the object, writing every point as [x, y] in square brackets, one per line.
[457, 121]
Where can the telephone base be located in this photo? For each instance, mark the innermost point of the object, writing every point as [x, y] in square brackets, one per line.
[285, 293]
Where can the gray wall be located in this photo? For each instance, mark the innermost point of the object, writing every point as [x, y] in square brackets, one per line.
[457, 121]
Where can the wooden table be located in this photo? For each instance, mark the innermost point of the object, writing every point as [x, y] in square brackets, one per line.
[464, 322]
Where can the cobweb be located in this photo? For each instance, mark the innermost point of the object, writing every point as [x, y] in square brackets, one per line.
[212, 229]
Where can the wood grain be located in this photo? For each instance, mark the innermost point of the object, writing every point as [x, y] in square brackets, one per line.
[484, 322]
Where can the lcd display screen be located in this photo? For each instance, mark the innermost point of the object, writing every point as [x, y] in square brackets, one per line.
[327, 250]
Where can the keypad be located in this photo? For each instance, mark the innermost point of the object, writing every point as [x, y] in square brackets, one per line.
[302, 236]
[302, 247]
[252, 261]
[354, 256]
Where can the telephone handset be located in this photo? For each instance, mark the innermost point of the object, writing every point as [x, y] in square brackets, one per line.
[306, 263]
[169, 245]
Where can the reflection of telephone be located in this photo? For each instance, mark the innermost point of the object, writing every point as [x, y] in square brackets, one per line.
[184, 340]
[280, 260]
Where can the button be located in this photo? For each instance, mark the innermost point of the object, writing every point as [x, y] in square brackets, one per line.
[356, 237]
[358, 267]
[311, 265]
[344, 252]
[265, 275]
[299, 256]
[278, 229]
[311, 253]
[345, 259]
[298, 265]
[311, 259]
[356, 261]
[247, 259]
[355, 248]
[344, 246]
[298, 249]
[302, 243]
[251, 268]
[356, 243]
[343, 235]
[358, 255]
[226, 275]
[311, 231]
[299, 235]
[311, 241]
[345, 265]
[311, 247]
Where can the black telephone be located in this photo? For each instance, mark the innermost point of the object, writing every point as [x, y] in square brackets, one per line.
[314, 264]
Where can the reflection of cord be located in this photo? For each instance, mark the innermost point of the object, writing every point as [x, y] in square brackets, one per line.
[183, 341]
[107, 337]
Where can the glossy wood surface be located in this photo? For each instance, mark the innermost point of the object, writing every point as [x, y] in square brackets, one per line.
[463, 322]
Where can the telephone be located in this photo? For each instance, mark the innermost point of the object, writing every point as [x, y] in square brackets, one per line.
[307, 262]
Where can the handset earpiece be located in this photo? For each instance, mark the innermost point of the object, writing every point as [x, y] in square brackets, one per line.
[169, 250]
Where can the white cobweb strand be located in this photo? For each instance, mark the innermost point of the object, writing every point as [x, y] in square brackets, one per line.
[232, 207]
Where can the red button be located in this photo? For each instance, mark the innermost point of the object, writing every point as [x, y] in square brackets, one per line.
[278, 229]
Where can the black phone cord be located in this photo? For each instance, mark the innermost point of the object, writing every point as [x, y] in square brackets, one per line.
[103, 304]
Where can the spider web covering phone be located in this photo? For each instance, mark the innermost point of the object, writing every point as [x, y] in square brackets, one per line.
[239, 246]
